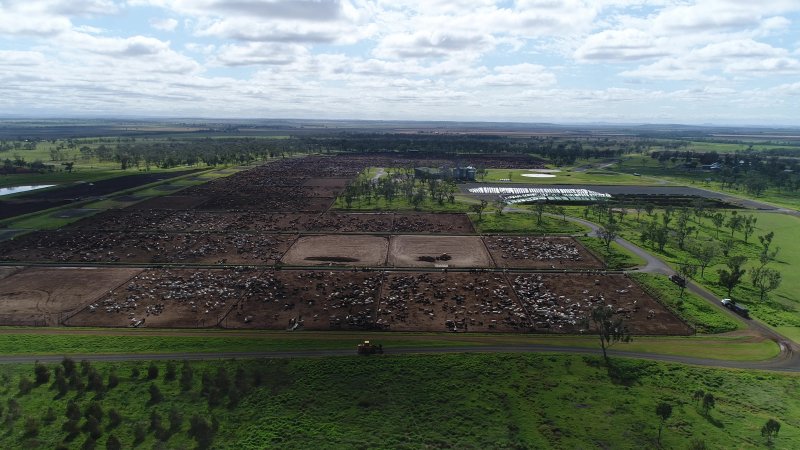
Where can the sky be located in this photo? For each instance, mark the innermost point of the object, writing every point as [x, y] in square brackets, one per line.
[559, 61]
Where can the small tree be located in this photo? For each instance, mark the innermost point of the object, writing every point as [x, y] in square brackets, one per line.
[729, 278]
[113, 443]
[663, 411]
[69, 366]
[25, 385]
[187, 375]
[609, 328]
[171, 372]
[478, 208]
[538, 208]
[686, 270]
[31, 426]
[152, 371]
[765, 280]
[42, 374]
[175, 420]
[608, 233]
[749, 226]
[770, 430]
[114, 418]
[709, 402]
[698, 395]
[718, 219]
[705, 253]
[155, 394]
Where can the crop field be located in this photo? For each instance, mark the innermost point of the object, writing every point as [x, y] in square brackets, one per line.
[262, 249]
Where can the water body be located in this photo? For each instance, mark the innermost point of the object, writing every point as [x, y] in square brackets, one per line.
[538, 175]
[18, 189]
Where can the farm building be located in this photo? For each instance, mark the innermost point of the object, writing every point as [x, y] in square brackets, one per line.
[461, 173]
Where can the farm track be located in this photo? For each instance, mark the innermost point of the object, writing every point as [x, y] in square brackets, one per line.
[786, 362]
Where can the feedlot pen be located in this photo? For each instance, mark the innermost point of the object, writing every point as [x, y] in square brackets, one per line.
[400, 271]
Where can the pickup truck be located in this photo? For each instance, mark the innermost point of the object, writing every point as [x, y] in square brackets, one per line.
[735, 307]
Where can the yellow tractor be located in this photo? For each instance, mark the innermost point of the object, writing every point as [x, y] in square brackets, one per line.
[367, 348]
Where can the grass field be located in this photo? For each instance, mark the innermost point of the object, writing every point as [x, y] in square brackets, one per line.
[615, 257]
[652, 170]
[54, 342]
[519, 222]
[566, 176]
[455, 401]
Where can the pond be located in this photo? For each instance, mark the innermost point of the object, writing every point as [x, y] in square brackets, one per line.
[18, 189]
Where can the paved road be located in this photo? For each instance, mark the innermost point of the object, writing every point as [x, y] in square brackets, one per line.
[783, 363]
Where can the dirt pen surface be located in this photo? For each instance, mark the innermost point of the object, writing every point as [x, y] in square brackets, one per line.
[433, 223]
[146, 247]
[172, 298]
[42, 296]
[313, 300]
[438, 251]
[525, 252]
[348, 250]
[377, 300]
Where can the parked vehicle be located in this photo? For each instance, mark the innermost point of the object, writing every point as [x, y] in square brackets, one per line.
[679, 280]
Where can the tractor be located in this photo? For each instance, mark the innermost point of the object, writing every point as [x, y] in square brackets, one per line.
[367, 348]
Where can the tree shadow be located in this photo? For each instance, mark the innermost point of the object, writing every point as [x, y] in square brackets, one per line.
[713, 421]
[623, 373]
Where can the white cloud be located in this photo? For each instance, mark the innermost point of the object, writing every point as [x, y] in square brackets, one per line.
[168, 24]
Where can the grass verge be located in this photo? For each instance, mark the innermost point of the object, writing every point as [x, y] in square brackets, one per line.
[691, 309]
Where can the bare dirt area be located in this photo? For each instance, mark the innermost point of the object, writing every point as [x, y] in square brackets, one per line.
[433, 223]
[171, 202]
[338, 250]
[453, 301]
[557, 302]
[172, 298]
[336, 184]
[269, 203]
[353, 223]
[313, 300]
[124, 220]
[43, 296]
[146, 247]
[525, 252]
[438, 251]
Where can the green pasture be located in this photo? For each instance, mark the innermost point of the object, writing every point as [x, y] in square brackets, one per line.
[615, 256]
[651, 169]
[523, 222]
[414, 401]
[91, 341]
[566, 176]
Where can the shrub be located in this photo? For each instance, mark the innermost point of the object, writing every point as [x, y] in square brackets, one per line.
[152, 371]
[69, 366]
[113, 443]
[31, 426]
[155, 394]
[25, 385]
[114, 418]
[42, 373]
[171, 372]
